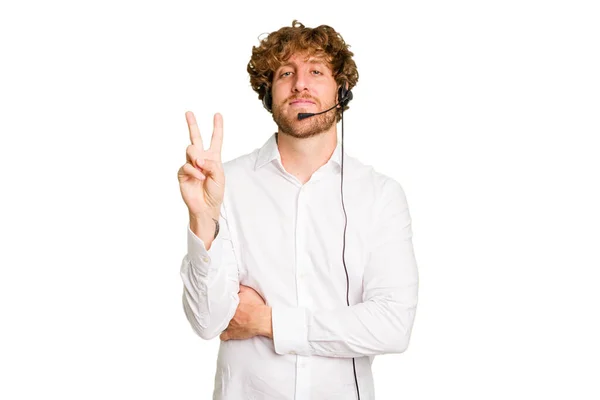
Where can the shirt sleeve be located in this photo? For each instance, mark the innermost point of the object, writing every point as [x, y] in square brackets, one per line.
[382, 322]
[210, 282]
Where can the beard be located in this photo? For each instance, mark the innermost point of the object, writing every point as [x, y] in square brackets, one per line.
[290, 125]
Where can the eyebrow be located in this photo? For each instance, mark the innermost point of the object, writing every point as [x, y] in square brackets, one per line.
[310, 61]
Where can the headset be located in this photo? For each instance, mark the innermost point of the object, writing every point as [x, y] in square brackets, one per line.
[344, 97]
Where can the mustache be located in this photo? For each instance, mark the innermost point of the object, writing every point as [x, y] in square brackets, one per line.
[303, 97]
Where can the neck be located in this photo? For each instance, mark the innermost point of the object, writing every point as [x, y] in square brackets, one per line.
[302, 157]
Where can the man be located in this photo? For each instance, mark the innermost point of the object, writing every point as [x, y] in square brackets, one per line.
[304, 284]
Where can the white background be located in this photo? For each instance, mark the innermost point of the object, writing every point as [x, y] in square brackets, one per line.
[487, 113]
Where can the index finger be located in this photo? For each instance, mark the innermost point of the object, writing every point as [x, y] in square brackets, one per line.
[216, 143]
[195, 137]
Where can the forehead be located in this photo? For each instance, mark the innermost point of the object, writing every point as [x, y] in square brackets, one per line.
[305, 58]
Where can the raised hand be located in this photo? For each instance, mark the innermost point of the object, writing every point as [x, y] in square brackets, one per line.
[201, 178]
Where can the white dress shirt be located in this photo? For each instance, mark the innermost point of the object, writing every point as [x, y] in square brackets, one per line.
[285, 239]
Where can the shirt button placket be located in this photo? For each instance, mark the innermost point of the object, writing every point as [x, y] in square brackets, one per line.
[302, 376]
[300, 245]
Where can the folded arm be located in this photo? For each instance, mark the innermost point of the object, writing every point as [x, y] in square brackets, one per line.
[382, 323]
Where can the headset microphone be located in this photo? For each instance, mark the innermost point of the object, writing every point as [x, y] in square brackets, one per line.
[345, 96]
[306, 115]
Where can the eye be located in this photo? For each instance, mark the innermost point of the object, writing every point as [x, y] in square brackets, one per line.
[284, 74]
[317, 72]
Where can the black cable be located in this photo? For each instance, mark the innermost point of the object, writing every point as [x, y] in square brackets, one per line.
[344, 245]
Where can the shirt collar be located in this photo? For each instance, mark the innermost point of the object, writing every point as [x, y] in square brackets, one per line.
[269, 152]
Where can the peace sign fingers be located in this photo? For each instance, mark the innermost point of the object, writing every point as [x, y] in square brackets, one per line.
[195, 137]
[216, 142]
[202, 178]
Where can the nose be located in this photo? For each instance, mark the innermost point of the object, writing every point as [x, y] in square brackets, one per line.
[300, 83]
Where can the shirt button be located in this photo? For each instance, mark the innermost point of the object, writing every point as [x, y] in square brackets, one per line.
[293, 353]
[205, 259]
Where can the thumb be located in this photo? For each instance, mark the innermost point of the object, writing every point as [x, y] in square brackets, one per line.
[223, 336]
[208, 166]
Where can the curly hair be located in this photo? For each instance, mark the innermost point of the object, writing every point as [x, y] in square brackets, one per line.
[321, 42]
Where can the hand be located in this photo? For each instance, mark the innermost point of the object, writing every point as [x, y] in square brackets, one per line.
[201, 178]
[252, 317]
[250, 296]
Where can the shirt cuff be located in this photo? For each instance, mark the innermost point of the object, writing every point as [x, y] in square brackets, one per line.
[290, 331]
[204, 260]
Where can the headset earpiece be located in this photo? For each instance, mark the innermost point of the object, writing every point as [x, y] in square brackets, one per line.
[267, 100]
[344, 95]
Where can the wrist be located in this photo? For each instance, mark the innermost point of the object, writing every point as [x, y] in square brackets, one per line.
[206, 227]
[267, 322]
[206, 215]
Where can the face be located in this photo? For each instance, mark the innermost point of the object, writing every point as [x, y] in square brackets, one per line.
[303, 85]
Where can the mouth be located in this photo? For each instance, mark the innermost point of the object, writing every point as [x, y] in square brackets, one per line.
[301, 102]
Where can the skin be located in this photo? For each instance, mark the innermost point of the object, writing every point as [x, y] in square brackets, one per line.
[302, 84]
